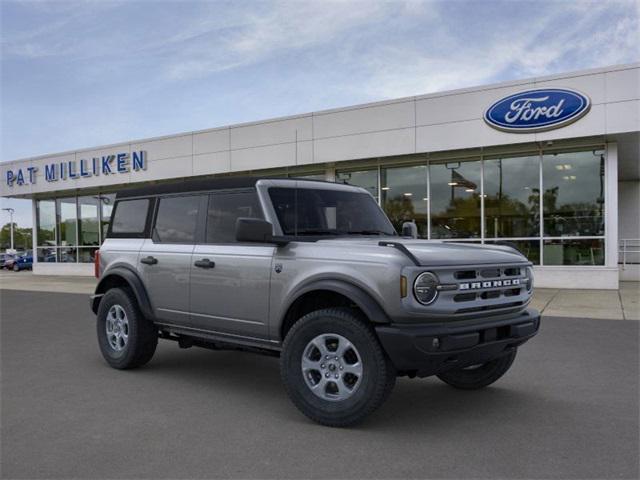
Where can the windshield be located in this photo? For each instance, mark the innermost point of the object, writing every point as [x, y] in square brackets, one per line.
[307, 211]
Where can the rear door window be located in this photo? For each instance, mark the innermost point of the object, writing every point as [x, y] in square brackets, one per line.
[176, 219]
[224, 209]
[130, 217]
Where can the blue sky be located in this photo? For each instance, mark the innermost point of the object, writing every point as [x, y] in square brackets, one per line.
[80, 74]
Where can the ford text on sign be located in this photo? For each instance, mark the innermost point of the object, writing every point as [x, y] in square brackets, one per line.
[537, 110]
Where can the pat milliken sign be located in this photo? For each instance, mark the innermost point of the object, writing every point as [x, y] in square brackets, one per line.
[537, 110]
[115, 164]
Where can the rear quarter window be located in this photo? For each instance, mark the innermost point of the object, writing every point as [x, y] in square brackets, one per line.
[130, 217]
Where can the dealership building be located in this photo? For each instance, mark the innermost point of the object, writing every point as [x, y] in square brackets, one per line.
[550, 165]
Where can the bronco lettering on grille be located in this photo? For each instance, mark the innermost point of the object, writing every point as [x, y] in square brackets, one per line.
[489, 284]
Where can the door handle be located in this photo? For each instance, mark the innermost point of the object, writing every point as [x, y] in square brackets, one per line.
[149, 260]
[204, 263]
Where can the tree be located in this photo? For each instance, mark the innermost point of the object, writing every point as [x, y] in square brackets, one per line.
[22, 237]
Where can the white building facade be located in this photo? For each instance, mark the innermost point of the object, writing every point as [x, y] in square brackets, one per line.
[550, 165]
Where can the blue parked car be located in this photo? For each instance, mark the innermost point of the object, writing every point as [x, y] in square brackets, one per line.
[23, 262]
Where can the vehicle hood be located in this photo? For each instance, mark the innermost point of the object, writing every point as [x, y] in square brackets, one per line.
[434, 253]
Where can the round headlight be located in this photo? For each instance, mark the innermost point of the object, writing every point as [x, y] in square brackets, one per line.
[529, 279]
[425, 288]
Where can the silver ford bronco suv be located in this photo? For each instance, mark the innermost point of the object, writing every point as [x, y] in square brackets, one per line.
[312, 272]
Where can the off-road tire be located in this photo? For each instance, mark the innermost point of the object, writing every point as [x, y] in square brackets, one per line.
[480, 377]
[142, 333]
[378, 376]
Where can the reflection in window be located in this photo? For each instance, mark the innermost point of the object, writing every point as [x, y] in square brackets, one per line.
[176, 219]
[47, 255]
[130, 216]
[318, 212]
[404, 197]
[67, 221]
[88, 221]
[87, 255]
[67, 255]
[455, 200]
[367, 179]
[46, 222]
[529, 248]
[224, 211]
[574, 252]
[310, 176]
[512, 197]
[573, 198]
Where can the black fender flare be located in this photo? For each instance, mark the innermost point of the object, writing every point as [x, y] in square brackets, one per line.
[365, 302]
[132, 279]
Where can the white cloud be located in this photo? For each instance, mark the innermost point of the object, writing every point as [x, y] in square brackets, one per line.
[135, 69]
[287, 26]
[527, 47]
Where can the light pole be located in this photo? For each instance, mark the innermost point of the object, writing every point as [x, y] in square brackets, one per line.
[11, 212]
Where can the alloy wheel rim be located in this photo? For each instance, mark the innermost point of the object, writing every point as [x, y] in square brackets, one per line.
[117, 328]
[332, 367]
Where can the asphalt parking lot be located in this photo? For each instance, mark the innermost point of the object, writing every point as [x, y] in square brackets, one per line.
[567, 409]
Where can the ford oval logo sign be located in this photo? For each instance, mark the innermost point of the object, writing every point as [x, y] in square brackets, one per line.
[537, 110]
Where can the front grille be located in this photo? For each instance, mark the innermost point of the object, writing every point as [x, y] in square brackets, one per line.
[483, 289]
[490, 273]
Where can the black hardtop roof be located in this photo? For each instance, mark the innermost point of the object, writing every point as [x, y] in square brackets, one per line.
[199, 185]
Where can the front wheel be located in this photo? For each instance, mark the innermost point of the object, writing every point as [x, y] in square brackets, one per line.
[126, 338]
[16, 268]
[479, 376]
[334, 368]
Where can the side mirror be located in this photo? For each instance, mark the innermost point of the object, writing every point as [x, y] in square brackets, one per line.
[410, 229]
[256, 230]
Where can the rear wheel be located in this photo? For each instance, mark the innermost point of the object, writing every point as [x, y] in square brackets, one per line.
[334, 368]
[16, 268]
[479, 376]
[126, 338]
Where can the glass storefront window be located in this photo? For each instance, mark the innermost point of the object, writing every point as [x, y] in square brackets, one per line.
[67, 255]
[367, 179]
[88, 221]
[570, 230]
[512, 197]
[310, 176]
[405, 198]
[529, 248]
[573, 198]
[47, 255]
[46, 222]
[574, 252]
[87, 255]
[455, 199]
[67, 221]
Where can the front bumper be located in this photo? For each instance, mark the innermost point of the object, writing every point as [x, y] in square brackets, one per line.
[426, 350]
